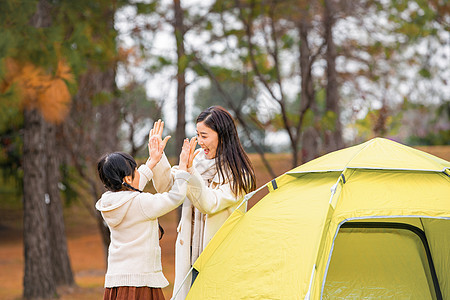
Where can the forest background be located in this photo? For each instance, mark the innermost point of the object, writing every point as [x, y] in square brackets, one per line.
[301, 78]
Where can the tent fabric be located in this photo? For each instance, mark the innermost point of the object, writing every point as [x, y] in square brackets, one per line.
[270, 245]
[355, 271]
[285, 246]
[438, 235]
[377, 153]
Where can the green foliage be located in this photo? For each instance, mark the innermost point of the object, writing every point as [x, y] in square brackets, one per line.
[68, 183]
[425, 73]
[412, 22]
[436, 119]
[320, 99]
[6, 43]
[277, 122]
[328, 120]
[164, 61]
[10, 135]
[210, 95]
[183, 63]
[308, 119]
[10, 191]
[440, 137]
[364, 127]
[136, 102]
[158, 63]
[146, 8]
[101, 98]
[287, 40]
[239, 34]
[378, 123]
[209, 25]
[199, 70]
[81, 33]
[138, 111]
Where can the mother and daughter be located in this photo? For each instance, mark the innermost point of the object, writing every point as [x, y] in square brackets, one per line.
[209, 182]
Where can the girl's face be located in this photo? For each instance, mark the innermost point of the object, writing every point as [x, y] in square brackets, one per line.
[208, 139]
[136, 178]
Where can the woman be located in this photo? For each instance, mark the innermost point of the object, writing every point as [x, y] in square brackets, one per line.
[221, 175]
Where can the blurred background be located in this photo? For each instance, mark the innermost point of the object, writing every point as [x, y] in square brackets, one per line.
[301, 78]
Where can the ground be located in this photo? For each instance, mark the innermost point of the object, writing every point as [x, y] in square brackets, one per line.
[85, 247]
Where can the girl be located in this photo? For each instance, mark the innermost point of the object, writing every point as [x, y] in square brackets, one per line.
[134, 256]
[221, 174]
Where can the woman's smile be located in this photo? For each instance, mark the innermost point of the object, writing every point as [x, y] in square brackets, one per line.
[208, 139]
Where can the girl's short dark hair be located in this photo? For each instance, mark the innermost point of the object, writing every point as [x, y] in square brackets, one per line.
[230, 155]
[112, 169]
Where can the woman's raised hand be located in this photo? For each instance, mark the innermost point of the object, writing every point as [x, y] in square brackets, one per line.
[184, 155]
[192, 152]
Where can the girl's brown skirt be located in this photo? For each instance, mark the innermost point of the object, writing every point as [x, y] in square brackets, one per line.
[133, 293]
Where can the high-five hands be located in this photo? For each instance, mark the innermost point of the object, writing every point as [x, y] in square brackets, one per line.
[156, 146]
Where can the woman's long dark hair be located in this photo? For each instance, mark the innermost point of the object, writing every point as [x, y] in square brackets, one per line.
[112, 169]
[231, 159]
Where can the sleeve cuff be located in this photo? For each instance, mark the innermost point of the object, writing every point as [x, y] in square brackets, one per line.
[191, 169]
[182, 175]
[144, 170]
[162, 165]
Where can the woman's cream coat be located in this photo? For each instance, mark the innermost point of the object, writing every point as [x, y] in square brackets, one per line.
[214, 201]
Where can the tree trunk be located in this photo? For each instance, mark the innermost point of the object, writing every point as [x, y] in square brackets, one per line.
[38, 281]
[333, 136]
[107, 140]
[95, 130]
[180, 132]
[61, 267]
[91, 131]
[309, 136]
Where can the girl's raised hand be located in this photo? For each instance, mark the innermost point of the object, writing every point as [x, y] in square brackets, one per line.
[155, 150]
[157, 129]
[154, 145]
[184, 155]
[156, 132]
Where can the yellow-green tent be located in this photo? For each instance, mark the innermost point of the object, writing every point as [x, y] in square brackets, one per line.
[367, 222]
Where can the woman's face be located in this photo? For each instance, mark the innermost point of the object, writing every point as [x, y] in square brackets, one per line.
[208, 139]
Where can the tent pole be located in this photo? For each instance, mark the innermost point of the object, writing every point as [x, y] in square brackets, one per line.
[250, 195]
[182, 283]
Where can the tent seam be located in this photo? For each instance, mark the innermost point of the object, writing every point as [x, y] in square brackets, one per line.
[368, 168]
